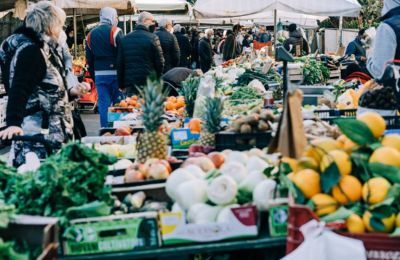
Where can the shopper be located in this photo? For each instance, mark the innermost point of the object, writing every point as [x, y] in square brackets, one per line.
[101, 53]
[169, 44]
[205, 51]
[263, 36]
[295, 44]
[387, 39]
[38, 102]
[356, 48]
[139, 55]
[194, 41]
[176, 76]
[184, 45]
[231, 47]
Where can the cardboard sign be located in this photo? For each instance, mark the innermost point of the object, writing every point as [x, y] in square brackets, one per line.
[182, 138]
[278, 217]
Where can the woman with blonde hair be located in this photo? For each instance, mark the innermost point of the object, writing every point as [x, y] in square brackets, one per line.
[38, 92]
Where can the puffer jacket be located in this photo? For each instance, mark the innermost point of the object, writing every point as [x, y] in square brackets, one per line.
[299, 46]
[185, 49]
[170, 49]
[139, 55]
[205, 54]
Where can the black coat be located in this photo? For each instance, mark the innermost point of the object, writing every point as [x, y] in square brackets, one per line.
[139, 55]
[170, 48]
[231, 48]
[205, 54]
[299, 45]
[185, 48]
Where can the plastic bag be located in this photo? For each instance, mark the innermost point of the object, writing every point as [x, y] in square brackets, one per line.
[323, 244]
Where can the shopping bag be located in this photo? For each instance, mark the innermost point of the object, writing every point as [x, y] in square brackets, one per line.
[323, 244]
[290, 139]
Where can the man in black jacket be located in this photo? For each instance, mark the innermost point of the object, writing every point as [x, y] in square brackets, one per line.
[184, 46]
[296, 44]
[169, 44]
[139, 55]
[205, 51]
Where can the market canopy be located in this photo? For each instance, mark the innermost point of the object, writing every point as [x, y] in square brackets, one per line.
[237, 8]
[94, 4]
[160, 5]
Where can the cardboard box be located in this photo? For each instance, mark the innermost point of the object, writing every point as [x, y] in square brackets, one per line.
[174, 230]
[36, 231]
[113, 234]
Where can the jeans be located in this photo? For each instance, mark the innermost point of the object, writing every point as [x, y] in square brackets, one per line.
[107, 88]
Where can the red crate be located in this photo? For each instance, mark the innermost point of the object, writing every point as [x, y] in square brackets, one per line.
[378, 246]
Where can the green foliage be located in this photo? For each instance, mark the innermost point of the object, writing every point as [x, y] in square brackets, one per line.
[243, 94]
[213, 114]
[189, 92]
[330, 178]
[356, 131]
[154, 96]
[73, 177]
[314, 72]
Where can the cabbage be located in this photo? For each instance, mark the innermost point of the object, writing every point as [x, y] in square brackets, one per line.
[203, 213]
[235, 170]
[251, 181]
[196, 171]
[255, 164]
[191, 192]
[222, 190]
[226, 214]
[236, 156]
[176, 178]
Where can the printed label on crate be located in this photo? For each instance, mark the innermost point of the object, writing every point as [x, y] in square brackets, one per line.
[111, 236]
[382, 254]
[242, 223]
[182, 138]
[278, 218]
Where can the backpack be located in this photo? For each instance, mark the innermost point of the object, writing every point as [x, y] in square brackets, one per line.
[113, 30]
[391, 78]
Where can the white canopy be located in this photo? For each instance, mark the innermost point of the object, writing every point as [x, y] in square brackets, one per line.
[94, 4]
[160, 5]
[236, 8]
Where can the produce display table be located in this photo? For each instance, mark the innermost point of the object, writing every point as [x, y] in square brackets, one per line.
[274, 246]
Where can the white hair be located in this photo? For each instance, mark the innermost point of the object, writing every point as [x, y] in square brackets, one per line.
[177, 28]
[164, 22]
[43, 16]
[208, 32]
[144, 16]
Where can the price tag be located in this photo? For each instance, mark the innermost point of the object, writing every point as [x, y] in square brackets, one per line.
[180, 135]
[267, 66]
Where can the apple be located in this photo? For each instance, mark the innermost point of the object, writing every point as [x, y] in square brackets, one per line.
[217, 158]
[203, 162]
[123, 131]
[132, 175]
[158, 171]
[166, 163]
[195, 148]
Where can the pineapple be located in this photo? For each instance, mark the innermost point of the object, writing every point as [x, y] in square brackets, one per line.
[189, 92]
[211, 120]
[152, 143]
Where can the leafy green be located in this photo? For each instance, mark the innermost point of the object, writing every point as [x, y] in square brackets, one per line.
[89, 210]
[330, 177]
[73, 177]
[189, 92]
[8, 252]
[314, 72]
[341, 213]
[389, 172]
[355, 130]
[243, 95]
[244, 197]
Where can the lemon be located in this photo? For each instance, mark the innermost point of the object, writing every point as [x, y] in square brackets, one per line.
[398, 220]
[355, 224]
[307, 163]
[308, 182]
[324, 204]
[349, 189]
[346, 144]
[341, 159]
[319, 147]
[375, 190]
[391, 141]
[375, 123]
[388, 222]
[386, 155]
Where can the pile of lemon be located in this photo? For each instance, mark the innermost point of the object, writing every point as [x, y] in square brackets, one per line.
[306, 176]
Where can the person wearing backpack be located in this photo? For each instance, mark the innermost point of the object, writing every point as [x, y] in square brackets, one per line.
[101, 54]
[387, 40]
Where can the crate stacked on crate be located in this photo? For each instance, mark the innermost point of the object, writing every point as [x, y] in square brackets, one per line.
[335, 75]
[295, 72]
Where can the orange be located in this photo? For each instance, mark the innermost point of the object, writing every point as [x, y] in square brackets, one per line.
[123, 103]
[375, 123]
[349, 189]
[195, 125]
[170, 106]
[134, 97]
